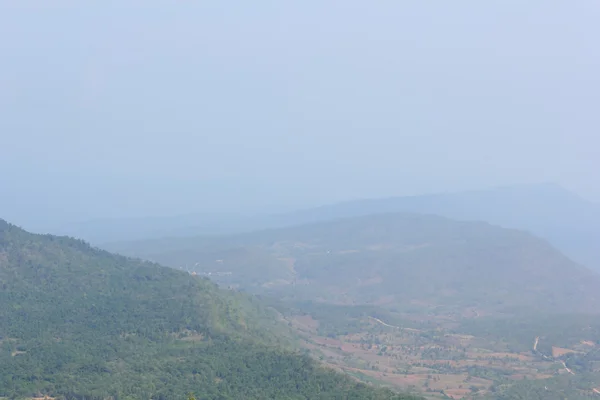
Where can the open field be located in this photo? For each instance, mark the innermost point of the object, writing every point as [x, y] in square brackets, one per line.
[438, 363]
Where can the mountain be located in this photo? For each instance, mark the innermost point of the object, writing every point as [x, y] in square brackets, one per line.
[570, 223]
[401, 260]
[78, 322]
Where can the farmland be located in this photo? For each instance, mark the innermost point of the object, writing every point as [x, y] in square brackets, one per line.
[435, 359]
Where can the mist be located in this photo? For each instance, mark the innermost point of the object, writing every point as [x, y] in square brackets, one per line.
[110, 110]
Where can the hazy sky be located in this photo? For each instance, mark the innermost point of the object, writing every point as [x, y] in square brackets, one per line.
[168, 107]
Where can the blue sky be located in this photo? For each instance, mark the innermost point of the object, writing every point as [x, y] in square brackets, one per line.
[114, 109]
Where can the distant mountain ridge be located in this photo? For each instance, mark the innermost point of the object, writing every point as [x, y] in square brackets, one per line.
[393, 259]
[569, 222]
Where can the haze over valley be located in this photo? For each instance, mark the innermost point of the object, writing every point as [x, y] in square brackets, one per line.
[421, 302]
[299, 200]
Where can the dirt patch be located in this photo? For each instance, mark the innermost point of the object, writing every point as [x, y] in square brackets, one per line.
[510, 356]
[350, 347]
[458, 336]
[543, 376]
[560, 351]
[480, 382]
[407, 380]
[193, 338]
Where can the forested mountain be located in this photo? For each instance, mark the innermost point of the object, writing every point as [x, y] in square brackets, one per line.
[78, 322]
[569, 222]
[393, 259]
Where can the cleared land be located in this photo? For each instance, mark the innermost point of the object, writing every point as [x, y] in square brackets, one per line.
[436, 363]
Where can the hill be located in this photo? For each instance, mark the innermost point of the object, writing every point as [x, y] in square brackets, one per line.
[78, 322]
[569, 222]
[392, 259]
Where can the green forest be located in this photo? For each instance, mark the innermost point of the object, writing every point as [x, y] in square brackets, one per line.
[399, 259]
[81, 323]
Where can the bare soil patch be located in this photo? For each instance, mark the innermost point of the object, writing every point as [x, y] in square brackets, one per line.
[560, 351]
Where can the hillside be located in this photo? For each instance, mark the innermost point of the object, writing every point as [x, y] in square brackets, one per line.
[403, 260]
[78, 322]
[569, 222]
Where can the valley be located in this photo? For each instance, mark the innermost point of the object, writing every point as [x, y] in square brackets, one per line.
[411, 261]
[442, 358]
[299, 200]
[78, 322]
[420, 303]
[415, 304]
[567, 221]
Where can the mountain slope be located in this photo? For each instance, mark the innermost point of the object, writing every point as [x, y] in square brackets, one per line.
[79, 322]
[392, 259]
[569, 222]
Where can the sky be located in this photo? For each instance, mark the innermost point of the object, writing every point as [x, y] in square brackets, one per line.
[127, 109]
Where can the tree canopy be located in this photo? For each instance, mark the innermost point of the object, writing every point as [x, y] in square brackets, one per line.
[77, 322]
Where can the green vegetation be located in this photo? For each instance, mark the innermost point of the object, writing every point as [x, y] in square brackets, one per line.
[569, 222]
[490, 357]
[471, 298]
[570, 387]
[334, 320]
[429, 263]
[518, 332]
[77, 322]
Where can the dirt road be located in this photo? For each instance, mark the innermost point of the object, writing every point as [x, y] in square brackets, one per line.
[383, 323]
[568, 369]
